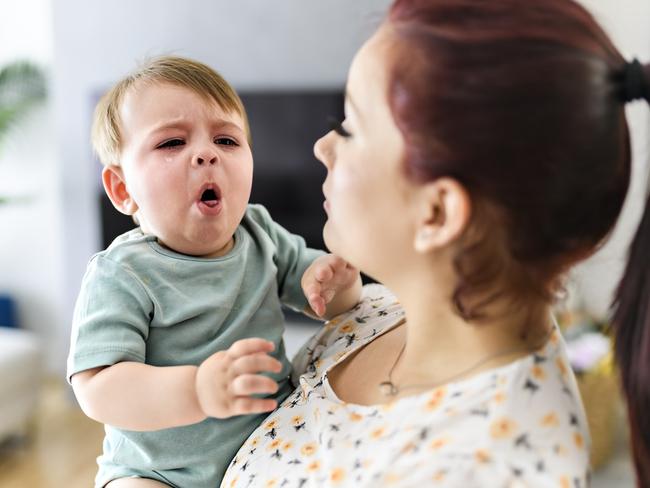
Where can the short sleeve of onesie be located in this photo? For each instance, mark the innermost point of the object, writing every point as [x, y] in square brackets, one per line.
[110, 317]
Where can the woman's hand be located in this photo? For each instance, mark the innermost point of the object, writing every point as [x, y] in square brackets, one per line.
[226, 380]
[331, 285]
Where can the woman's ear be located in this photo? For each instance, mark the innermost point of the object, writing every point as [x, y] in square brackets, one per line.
[115, 187]
[443, 213]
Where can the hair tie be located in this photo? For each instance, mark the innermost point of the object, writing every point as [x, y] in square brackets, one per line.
[635, 85]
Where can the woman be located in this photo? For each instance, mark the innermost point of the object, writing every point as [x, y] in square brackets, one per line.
[484, 152]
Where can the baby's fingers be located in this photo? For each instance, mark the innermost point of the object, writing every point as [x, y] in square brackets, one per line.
[248, 405]
[252, 384]
[255, 363]
[252, 345]
[324, 273]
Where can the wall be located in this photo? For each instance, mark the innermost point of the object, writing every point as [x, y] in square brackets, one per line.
[626, 21]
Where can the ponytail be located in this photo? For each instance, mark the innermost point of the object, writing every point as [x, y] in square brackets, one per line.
[631, 317]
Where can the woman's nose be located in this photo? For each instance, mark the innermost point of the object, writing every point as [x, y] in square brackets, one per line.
[323, 150]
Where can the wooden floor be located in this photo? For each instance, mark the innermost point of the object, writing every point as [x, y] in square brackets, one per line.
[60, 450]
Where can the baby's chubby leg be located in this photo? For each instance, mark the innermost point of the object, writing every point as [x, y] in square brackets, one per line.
[135, 483]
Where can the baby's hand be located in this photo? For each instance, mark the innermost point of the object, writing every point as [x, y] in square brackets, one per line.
[326, 278]
[227, 379]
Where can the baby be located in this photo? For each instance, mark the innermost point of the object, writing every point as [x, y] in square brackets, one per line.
[177, 318]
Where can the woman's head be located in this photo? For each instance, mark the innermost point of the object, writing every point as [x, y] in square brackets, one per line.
[520, 105]
[505, 119]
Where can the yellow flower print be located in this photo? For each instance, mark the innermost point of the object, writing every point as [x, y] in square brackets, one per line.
[439, 443]
[297, 420]
[550, 420]
[482, 456]
[347, 327]
[337, 475]
[408, 447]
[555, 338]
[436, 398]
[233, 482]
[538, 372]
[314, 466]
[499, 397]
[564, 482]
[287, 446]
[503, 428]
[335, 321]
[439, 475]
[254, 441]
[579, 440]
[308, 449]
[274, 444]
[561, 366]
[355, 417]
[271, 425]
[272, 483]
[392, 478]
[451, 411]
[377, 433]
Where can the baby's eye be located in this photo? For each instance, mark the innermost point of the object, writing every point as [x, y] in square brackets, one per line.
[225, 141]
[171, 143]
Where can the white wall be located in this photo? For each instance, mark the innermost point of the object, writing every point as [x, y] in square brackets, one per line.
[626, 21]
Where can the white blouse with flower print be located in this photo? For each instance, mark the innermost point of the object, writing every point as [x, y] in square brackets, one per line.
[519, 425]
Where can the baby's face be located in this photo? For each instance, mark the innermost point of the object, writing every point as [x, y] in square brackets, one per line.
[188, 168]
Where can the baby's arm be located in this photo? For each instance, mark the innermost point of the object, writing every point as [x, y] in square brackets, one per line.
[332, 286]
[136, 396]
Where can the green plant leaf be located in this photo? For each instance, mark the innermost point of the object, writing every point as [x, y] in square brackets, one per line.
[22, 85]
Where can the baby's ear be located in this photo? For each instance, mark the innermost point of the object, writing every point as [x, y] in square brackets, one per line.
[115, 186]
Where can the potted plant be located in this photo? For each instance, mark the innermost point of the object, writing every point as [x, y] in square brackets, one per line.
[22, 85]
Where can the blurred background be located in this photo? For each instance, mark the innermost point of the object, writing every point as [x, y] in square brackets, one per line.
[289, 60]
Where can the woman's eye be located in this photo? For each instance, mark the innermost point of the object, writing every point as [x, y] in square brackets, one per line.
[171, 143]
[225, 141]
[337, 126]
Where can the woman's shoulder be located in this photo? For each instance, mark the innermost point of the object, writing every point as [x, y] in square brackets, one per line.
[524, 420]
[377, 311]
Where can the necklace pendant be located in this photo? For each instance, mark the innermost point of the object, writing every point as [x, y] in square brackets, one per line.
[387, 388]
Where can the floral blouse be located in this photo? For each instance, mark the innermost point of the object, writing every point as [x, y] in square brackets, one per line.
[519, 425]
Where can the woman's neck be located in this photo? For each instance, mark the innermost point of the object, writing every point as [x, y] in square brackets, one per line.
[439, 344]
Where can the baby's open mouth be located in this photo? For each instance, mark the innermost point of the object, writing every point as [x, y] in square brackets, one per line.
[210, 195]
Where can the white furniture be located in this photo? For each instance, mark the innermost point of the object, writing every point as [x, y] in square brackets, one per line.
[21, 374]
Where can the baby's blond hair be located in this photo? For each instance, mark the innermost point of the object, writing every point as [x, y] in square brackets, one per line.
[207, 83]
